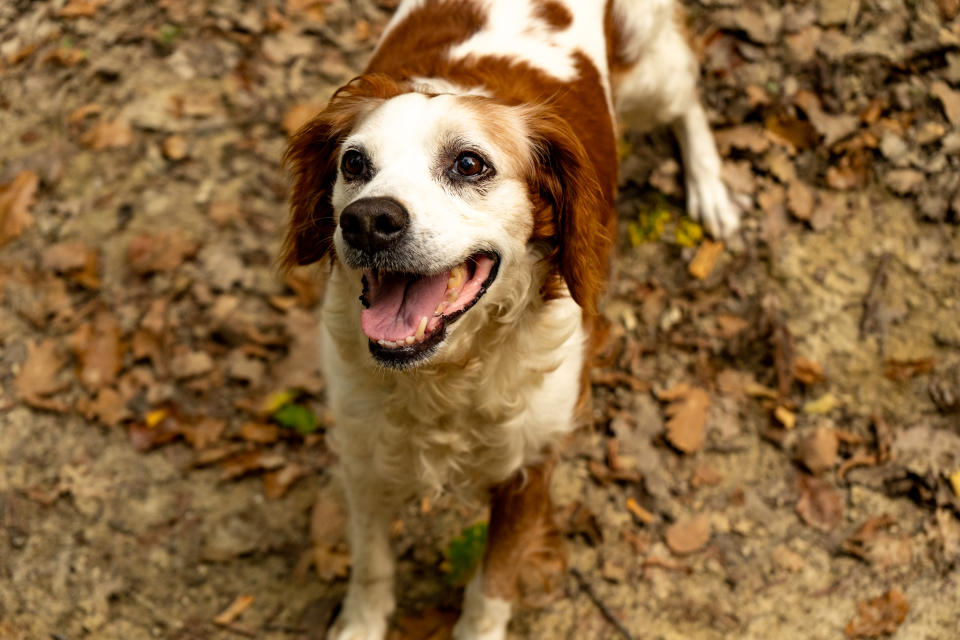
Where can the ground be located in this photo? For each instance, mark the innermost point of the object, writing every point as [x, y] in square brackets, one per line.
[775, 443]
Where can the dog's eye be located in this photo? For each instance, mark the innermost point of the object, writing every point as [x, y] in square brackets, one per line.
[353, 163]
[469, 164]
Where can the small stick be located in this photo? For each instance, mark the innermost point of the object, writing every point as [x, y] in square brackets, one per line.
[872, 301]
[598, 603]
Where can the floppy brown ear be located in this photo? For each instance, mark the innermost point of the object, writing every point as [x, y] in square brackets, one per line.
[572, 208]
[312, 158]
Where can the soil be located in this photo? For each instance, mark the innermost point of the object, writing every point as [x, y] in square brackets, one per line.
[775, 443]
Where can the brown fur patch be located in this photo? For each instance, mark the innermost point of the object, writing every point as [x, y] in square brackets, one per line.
[615, 34]
[579, 165]
[523, 540]
[312, 158]
[553, 13]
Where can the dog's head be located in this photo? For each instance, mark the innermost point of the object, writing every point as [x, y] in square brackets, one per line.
[441, 204]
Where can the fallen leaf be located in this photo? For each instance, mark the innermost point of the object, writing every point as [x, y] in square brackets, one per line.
[327, 521]
[786, 559]
[186, 363]
[276, 483]
[639, 512]
[688, 534]
[75, 259]
[878, 617]
[331, 563]
[259, 432]
[80, 114]
[822, 405]
[831, 127]
[98, 350]
[109, 407]
[204, 432]
[900, 370]
[950, 100]
[800, 200]
[232, 612]
[785, 417]
[108, 134]
[793, 133]
[745, 136]
[705, 259]
[16, 199]
[687, 413]
[818, 450]
[66, 56]
[81, 8]
[160, 428]
[175, 147]
[39, 374]
[705, 476]
[160, 252]
[249, 461]
[820, 506]
[807, 371]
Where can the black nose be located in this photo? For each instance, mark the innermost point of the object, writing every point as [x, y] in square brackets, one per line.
[374, 224]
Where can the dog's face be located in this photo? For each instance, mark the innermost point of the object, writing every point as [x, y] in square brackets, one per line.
[439, 205]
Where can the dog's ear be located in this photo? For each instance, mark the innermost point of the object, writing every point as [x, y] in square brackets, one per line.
[312, 158]
[570, 208]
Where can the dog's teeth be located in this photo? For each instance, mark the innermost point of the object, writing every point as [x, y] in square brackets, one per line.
[456, 277]
[451, 296]
[389, 344]
[439, 310]
[410, 340]
[382, 343]
[421, 329]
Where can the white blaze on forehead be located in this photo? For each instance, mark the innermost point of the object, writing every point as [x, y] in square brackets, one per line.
[409, 141]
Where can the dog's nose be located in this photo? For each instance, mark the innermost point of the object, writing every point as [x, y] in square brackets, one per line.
[374, 224]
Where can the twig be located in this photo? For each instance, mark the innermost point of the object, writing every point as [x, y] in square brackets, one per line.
[598, 603]
[872, 301]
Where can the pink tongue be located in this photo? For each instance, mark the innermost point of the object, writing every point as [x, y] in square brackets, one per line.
[398, 301]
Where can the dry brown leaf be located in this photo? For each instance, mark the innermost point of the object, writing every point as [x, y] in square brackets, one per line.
[259, 432]
[248, 462]
[232, 612]
[729, 325]
[950, 100]
[188, 364]
[276, 483]
[949, 8]
[66, 56]
[38, 375]
[81, 8]
[75, 259]
[818, 450]
[705, 476]
[175, 147]
[878, 617]
[745, 136]
[98, 350]
[109, 407]
[900, 370]
[820, 505]
[16, 199]
[687, 413]
[149, 434]
[795, 134]
[306, 285]
[705, 259]
[800, 200]
[327, 522]
[831, 127]
[80, 114]
[108, 134]
[309, 9]
[164, 251]
[688, 534]
[204, 433]
[807, 371]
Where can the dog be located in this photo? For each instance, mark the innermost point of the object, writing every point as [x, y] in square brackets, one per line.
[462, 192]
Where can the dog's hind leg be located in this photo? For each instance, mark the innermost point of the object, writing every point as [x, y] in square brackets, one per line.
[370, 599]
[521, 536]
[654, 75]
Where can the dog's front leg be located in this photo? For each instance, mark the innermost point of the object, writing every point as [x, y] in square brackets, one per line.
[521, 533]
[370, 599]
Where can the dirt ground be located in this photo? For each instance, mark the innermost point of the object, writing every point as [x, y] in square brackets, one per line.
[775, 450]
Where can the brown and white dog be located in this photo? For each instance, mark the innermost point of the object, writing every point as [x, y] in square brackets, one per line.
[463, 191]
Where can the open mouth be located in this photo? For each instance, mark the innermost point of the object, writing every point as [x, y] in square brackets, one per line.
[405, 315]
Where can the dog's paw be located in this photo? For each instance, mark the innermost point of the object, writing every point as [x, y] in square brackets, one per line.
[709, 203]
